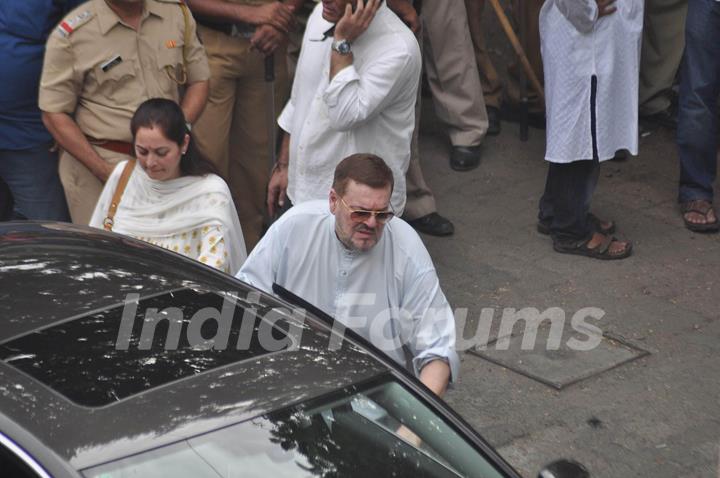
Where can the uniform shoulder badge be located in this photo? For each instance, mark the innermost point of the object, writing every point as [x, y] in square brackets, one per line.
[70, 24]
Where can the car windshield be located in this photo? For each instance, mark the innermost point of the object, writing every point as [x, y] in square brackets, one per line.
[379, 429]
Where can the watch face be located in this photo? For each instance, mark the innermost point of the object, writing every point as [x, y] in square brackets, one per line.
[342, 47]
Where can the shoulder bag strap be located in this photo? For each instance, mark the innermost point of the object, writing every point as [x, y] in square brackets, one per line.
[119, 190]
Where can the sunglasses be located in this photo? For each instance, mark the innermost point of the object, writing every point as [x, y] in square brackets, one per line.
[362, 215]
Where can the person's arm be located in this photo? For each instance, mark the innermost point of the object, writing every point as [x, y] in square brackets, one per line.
[68, 135]
[407, 13]
[350, 27]
[430, 336]
[260, 269]
[267, 39]
[353, 97]
[277, 187]
[277, 14]
[583, 14]
[194, 100]
[198, 74]
[60, 87]
[435, 375]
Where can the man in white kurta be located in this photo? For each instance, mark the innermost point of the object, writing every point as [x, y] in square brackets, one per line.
[365, 107]
[591, 57]
[385, 289]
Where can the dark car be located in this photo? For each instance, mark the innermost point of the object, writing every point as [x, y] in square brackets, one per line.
[120, 359]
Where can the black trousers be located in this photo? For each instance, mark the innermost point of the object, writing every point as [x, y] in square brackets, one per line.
[569, 188]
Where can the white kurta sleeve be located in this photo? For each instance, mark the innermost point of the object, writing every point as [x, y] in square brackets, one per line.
[433, 328]
[582, 14]
[260, 268]
[285, 120]
[353, 97]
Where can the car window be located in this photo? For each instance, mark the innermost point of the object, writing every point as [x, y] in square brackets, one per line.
[92, 362]
[11, 465]
[379, 429]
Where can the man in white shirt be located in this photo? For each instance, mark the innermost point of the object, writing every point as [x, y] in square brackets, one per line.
[590, 48]
[371, 275]
[354, 92]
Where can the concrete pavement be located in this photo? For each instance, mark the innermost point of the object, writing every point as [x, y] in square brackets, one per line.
[657, 416]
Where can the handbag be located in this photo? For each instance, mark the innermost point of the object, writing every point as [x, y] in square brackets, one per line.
[115, 202]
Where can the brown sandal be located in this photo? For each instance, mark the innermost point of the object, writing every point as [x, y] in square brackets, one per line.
[702, 207]
[601, 251]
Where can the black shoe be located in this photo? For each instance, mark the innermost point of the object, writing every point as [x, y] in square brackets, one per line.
[621, 155]
[465, 158]
[666, 118]
[433, 224]
[494, 126]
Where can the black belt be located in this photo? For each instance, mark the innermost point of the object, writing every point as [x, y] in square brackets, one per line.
[239, 29]
[225, 28]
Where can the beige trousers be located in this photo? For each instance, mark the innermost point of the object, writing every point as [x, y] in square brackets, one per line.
[454, 81]
[232, 131]
[420, 200]
[662, 49]
[82, 187]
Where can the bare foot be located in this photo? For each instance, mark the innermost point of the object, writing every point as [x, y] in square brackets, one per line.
[616, 247]
[695, 213]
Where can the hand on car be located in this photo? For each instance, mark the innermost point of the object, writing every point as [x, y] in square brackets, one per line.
[353, 24]
[605, 7]
[266, 39]
[276, 14]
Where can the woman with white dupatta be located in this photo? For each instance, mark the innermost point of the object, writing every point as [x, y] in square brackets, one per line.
[171, 197]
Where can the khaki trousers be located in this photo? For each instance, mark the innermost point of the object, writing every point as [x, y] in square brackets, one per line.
[662, 49]
[232, 131]
[82, 187]
[492, 86]
[420, 199]
[454, 81]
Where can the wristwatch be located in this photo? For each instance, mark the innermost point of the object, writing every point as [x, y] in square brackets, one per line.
[341, 46]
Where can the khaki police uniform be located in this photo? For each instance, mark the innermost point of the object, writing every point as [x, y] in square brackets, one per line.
[232, 131]
[456, 90]
[99, 70]
[454, 81]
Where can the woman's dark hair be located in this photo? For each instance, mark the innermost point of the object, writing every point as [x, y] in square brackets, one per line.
[167, 116]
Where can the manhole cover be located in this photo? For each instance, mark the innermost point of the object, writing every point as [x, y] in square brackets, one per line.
[562, 367]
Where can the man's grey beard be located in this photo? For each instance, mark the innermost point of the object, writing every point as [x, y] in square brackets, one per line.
[348, 242]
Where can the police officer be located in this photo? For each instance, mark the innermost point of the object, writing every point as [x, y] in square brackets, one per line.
[103, 60]
[233, 130]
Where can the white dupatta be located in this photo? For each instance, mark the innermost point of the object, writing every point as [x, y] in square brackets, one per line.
[158, 209]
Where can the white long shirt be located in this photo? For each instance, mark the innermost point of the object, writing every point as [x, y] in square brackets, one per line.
[390, 294]
[368, 107]
[576, 44]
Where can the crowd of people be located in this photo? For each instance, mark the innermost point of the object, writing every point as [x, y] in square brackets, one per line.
[158, 119]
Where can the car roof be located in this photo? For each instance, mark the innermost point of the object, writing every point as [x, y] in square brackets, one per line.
[54, 275]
